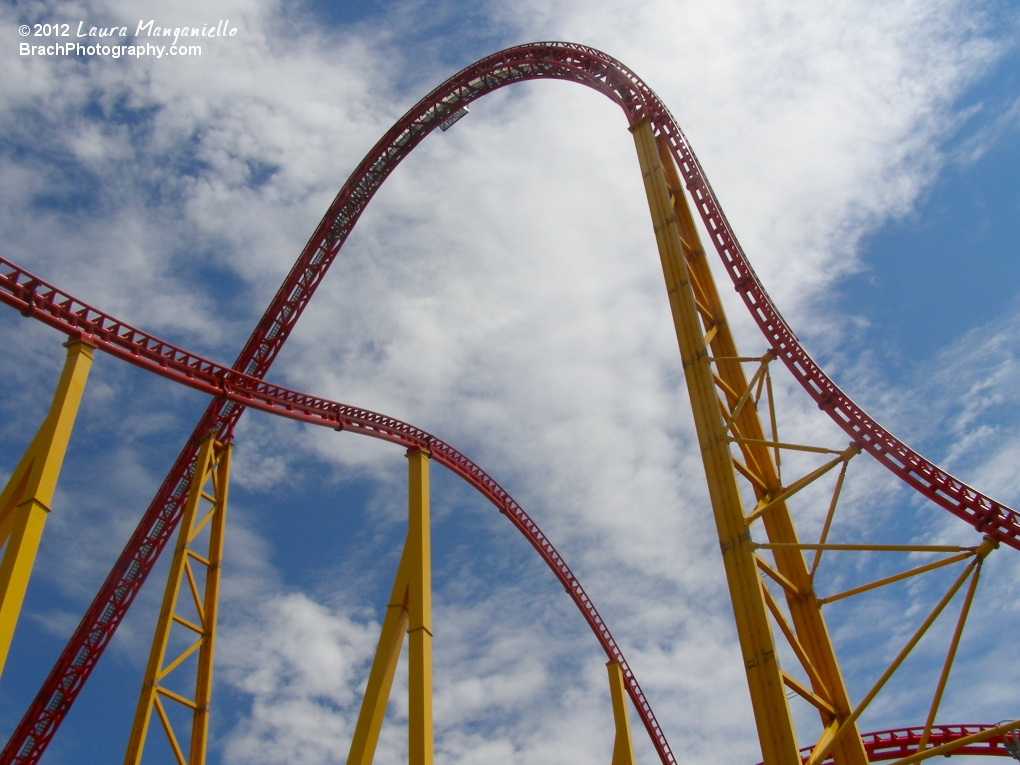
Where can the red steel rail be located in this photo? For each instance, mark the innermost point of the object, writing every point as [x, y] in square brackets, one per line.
[546, 60]
[36, 299]
[902, 742]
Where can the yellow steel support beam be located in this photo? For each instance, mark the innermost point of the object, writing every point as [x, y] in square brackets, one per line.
[802, 655]
[776, 576]
[896, 578]
[768, 695]
[862, 548]
[623, 746]
[419, 628]
[780, 445]
[823, 749]
[766, 503]
[950, 655]
[748, 392]
[25, 501]
[212, 467]
[675, 226]
[828, 517]
[410, 608]
[804, 692]
[208, 608]
[380, 679]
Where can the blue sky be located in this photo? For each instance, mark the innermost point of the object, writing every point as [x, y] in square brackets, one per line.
[969, 210]
[502, 291]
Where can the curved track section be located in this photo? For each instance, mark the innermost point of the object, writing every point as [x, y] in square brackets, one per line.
[535, 61]
[894, 744]
[36, 299]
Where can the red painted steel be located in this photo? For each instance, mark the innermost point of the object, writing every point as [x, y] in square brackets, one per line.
[37, 299]
[894, 744]
[44, 302]
[550, 60]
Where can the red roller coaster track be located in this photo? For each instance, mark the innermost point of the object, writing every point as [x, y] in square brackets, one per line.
[36, 299]
[242, 385]
[59, 310]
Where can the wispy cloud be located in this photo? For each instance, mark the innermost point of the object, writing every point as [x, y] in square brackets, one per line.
[502, 290]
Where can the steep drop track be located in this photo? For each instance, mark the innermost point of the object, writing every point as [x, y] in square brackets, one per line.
[241, 386]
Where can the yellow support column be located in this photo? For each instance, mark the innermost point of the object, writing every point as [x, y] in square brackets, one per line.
[623, 746]
[212, 466]
[380, 679]
[419, 558]
[25, 501]
[768, 696]
[805, 609]
[410, 608]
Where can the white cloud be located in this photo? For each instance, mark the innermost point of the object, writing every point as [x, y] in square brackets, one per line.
[501, 291]
[299, 663]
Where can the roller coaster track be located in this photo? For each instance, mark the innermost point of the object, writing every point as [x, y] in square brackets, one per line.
[242, 385]
[59, 310]
[36, 299]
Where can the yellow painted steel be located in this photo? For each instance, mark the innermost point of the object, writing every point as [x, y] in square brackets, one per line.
[768, 695]
[950, 655]
[768, 502]
[419, 628]
[862, 548]
[805, 611]
[410, 608]
[758, 453]
[896, 578]
[702, 329]
[25, 501]
[824, 748]
[206, 506]
[380, 679]
[623, 746]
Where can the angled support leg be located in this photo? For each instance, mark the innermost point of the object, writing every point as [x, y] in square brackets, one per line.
[410, 609]
[805, 610]
[25, 501]
[380, 679]
[768, 695]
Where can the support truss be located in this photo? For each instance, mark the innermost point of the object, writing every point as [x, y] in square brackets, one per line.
[724, 406]
[971, 571]
[205, 511]
[725, 403]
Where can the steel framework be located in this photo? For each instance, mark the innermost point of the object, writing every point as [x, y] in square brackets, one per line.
[205, 509]
[740, 454]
